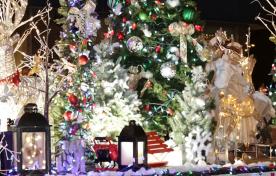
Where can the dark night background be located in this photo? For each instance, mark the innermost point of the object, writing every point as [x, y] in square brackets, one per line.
[235, 16]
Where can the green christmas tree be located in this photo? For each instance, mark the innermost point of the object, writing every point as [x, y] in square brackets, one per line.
[158, 48]
[96, 101]
[272, 89]
[72, 108]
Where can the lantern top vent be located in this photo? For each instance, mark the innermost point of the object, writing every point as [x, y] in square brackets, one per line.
[31, 117]
[132, 132]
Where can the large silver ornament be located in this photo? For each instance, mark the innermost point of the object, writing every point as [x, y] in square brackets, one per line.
[168, 70]
[173, 3]
[134, 44]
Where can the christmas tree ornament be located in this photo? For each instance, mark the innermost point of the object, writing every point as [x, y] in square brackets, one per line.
[83, 59]
[134, 76]
[73, 99]
[134, 44]
[158, 2]
[120, 36]
[146, 31]
[168, 70]
[73, 48]
[89, 7]
[84, 43]
[68, 116]
[147, 107]
[153, 17]
[147, 64]
[189, 14]
[147, 85]
[124, 19]
[143, 16]
[198, 28]
[158, 49]
[172, 3]
[84, 87]
[184, 31]
[133, 26]
[173, 54]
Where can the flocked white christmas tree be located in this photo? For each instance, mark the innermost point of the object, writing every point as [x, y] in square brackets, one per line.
[191, 125]
[116, 104]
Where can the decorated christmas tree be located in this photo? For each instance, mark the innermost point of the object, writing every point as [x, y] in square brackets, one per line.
[116, 105]
[76, 100]
[158, 48]
[272, 89]
[96, 95]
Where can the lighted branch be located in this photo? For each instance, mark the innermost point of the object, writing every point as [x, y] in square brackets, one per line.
[51, 75]
[9, 154]
[270, 10]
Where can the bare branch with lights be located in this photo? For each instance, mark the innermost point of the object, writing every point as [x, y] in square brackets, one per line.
[51, 75]
[268, 22]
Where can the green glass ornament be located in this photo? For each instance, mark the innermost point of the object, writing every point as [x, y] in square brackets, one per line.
[189, 14]
[143, 16]
[147, 65]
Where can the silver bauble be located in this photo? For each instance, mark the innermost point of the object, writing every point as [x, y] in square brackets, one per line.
[134, 44]
[173, 3]
[168, 70]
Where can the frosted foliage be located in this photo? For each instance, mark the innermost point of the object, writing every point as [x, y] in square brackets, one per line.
[191, 125]
[116, 103]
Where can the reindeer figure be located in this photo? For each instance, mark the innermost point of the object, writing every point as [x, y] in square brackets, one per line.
[11, 14]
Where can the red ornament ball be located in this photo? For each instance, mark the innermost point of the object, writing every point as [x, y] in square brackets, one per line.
[84, 42]
[83, 59]
[158, 49]
[153, 17]
[128, 2]
[68, 116]
[133, 26]
[147, 108]
[73, 99]
[198, 28]
[120, 36]
[124, 19]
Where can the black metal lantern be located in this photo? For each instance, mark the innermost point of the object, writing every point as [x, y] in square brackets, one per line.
[33, 141]
[132, 146]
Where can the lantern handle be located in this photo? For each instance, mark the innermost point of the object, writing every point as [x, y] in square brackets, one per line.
[132, 122]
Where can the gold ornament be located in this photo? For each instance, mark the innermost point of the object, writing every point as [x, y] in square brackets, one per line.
[134, 76]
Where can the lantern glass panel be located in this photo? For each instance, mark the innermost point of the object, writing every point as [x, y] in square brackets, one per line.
[33, 150]
[140, 152]
[127, 153]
